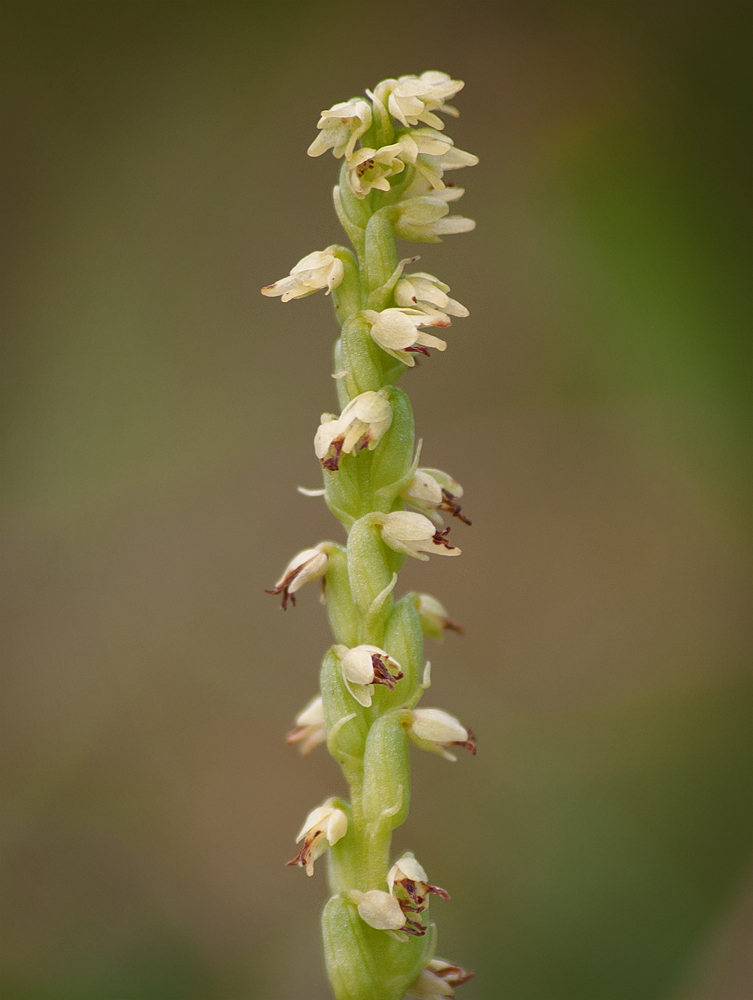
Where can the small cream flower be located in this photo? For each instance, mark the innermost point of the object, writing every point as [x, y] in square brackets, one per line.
[320, 269]
[341, 127]
[426, 218]
[411, 99]
[437, 980]
[323, 827]
[308, 565]
[371, 168]
[397, 332]
[425, 292]
[363, 667]
[435, 730]
[415, 535]
[432, 153]
[310, 729]
[361, 424]
[380, 910]
[433, 490]
[433, 617]
[408, 883]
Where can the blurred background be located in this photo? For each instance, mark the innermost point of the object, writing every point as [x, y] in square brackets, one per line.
[159, 415]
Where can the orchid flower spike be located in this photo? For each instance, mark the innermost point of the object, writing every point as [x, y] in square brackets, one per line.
[310, 728]
[307, 566]
[363, 667]
[320, 269]
[394, 182]
[435, 730]
[361, 424]
[397, 332]
[322, 829]
[415, 535]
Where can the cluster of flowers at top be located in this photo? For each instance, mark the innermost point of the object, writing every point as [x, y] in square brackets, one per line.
[418, 133]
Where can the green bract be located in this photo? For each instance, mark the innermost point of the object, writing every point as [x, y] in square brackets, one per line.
[377, 939]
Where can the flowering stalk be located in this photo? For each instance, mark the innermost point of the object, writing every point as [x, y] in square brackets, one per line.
[378, 941]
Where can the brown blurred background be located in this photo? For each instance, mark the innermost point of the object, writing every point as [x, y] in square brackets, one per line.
[159, 416]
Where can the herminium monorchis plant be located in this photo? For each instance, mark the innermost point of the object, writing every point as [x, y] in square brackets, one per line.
[377, 939]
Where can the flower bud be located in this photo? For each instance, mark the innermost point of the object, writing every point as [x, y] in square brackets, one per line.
[415, 535]
[386, 773]
[349, 737]
[341, 610]
[435, 730]
[403, 638]
[367, 568]
[433, 617]
[363, 961]
[322, 828]
[394, 456]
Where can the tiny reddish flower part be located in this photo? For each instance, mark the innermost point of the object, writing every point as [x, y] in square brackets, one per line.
[372, 168]
[307, 566]
[310, 728]
[322, 829]
[363, 667]
[362, 424]
[320, 269]
[408, 882]
[435, 730]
